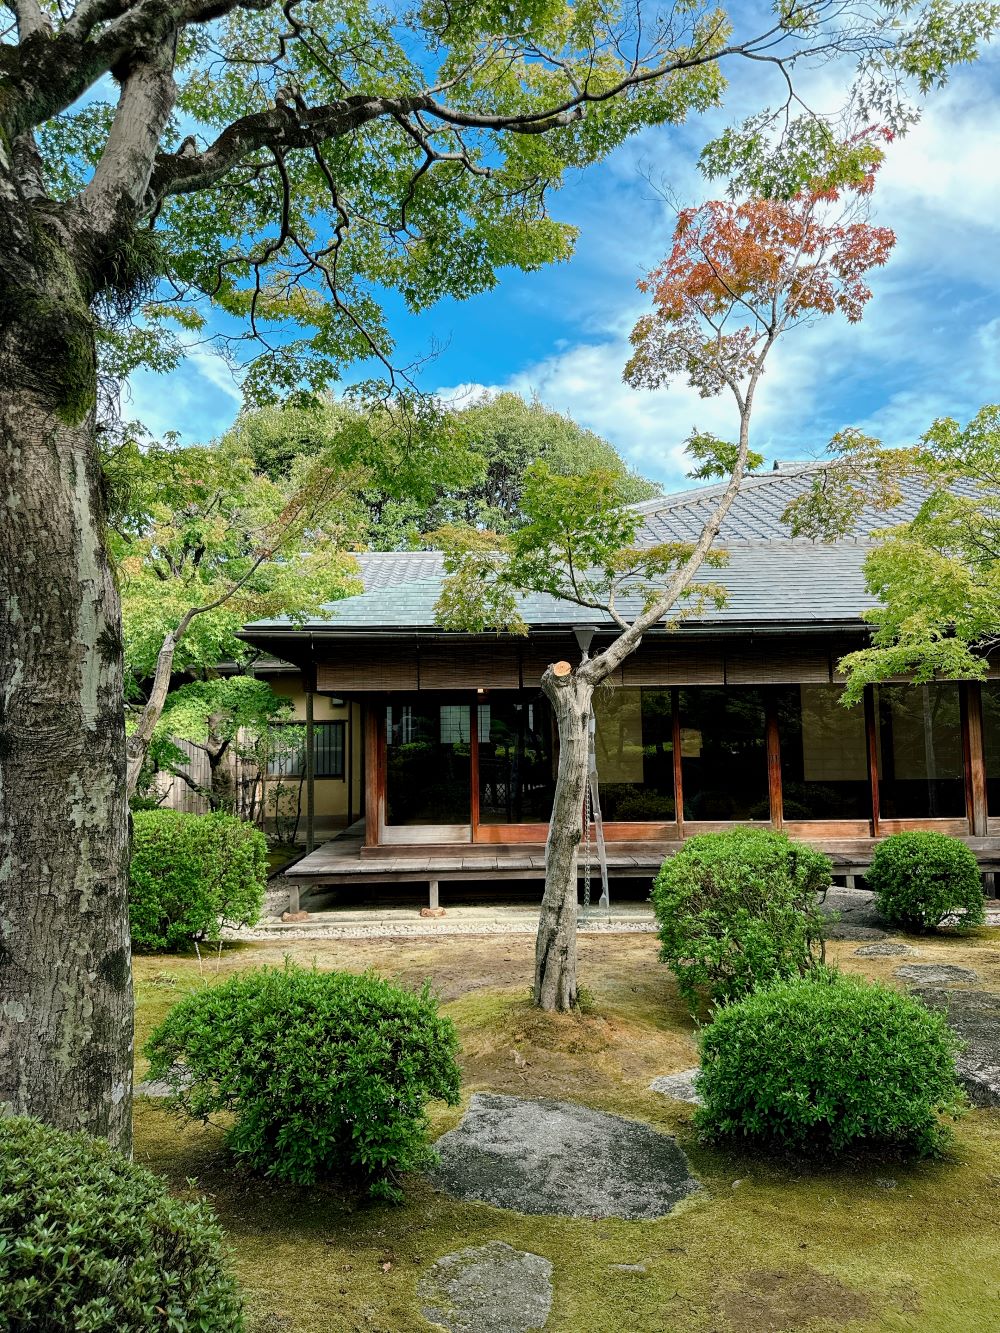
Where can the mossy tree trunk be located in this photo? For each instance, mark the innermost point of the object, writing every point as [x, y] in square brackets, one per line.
[65, 975]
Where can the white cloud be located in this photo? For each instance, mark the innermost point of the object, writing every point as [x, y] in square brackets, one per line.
[198, 402]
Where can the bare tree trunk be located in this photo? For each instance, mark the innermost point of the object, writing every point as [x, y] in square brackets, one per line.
[555, 945]
[65, 974]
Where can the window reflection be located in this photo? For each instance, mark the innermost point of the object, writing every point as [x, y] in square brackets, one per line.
[635, 754]
[824, 755]
[427, 763]
[723, 754]
[920, 757]
[516, 761]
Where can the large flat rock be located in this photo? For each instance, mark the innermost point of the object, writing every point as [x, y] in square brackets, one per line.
[488, 1289]
[937, 974]
[975, 1016]
[561, 1159]
[678, 1087]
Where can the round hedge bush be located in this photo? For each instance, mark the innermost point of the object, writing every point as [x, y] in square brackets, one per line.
[325, 1073]
[825, 1062]
[919, 879]
[739, 909]
[93, 1243]
[192, 874]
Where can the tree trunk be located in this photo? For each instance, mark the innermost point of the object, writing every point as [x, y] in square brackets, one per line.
[555, 945]
[65, 967]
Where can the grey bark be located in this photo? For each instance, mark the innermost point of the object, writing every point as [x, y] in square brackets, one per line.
[65, 974]
[555, 943]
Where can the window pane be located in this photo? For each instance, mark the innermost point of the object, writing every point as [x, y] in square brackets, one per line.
[427, 764]
[824, 755]
[286, 751]
[328, 747]
[723, 754]
[516, 761]
[991, 730]
[635, 754]
[921, 768]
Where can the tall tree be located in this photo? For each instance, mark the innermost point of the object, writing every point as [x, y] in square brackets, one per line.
[327, 152]
[204, 542]
[739, 276]
[936, 577]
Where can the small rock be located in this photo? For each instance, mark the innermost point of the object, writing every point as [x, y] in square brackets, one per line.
[736, 1184]
[161, 1087]
[883, 949]
[937, 974]
[435, 912]
[679, 1087]
[885, 1183]
[629, 1268]
[488, 1289]
[295, 916]
[561, 1159]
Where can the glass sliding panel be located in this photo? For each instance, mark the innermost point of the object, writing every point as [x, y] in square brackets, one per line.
[427, 763]
[635, 754]
[724, 754]
[517, 764]
[824, 754]
[991, 740]
[920, 758]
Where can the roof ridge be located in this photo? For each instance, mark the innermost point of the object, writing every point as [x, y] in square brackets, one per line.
[684, 499]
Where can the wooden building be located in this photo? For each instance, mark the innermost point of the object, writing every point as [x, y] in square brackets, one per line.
[730, 718]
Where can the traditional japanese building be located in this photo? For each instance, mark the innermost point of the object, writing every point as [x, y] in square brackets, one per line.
[733, 716]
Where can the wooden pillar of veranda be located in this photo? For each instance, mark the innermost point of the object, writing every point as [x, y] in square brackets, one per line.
[310, 775]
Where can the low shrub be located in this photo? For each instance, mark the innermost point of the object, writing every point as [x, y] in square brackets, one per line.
[824, 1062]
[192, 874]
[325, 1073]
[91, 1242]
[919, 879]
[739, 909]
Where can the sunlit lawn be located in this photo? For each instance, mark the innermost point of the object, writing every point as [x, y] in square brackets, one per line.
[765, 1246]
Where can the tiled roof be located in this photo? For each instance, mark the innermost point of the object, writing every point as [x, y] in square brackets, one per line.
[756, 513]
[771, 579]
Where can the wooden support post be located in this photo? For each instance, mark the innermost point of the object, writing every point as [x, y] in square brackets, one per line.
[432, 895]
[871, 731]
[374, 723]
[678, 769]
[310, 776]
[773, 741]
[294, 898]
[975, 757]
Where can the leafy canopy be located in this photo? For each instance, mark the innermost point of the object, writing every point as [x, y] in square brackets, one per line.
[936, 577]
[290, 165]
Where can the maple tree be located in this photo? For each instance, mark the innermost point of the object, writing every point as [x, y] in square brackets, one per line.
[738, 277]
[936, 577]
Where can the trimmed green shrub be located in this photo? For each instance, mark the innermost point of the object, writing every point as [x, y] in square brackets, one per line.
[192, 874]
[921, 878]
[325, 1072]
[737, 910]
[825, 1062]
[93, 1243]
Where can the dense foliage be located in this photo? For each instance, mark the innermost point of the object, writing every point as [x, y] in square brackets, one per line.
[192, 874]
[91, 1242]
[825, 1062]
[738, 910]
[936, 577]
[324, 1073]
[921, 878]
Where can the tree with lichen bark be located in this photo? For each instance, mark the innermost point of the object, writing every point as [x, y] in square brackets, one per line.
[283, 164]
[739, 277]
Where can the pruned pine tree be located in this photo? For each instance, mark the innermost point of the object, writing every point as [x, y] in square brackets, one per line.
[738, 278]
[283, 164]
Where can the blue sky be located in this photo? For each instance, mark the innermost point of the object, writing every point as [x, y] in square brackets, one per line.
[929, 344]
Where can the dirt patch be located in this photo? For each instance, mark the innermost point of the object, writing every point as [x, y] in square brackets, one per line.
[773, 1300]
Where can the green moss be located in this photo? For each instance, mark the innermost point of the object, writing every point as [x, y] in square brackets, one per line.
[867, 1245]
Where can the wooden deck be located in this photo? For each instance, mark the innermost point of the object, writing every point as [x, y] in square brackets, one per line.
[341, 861]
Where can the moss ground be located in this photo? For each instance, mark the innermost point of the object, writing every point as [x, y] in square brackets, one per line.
[766, 1246]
